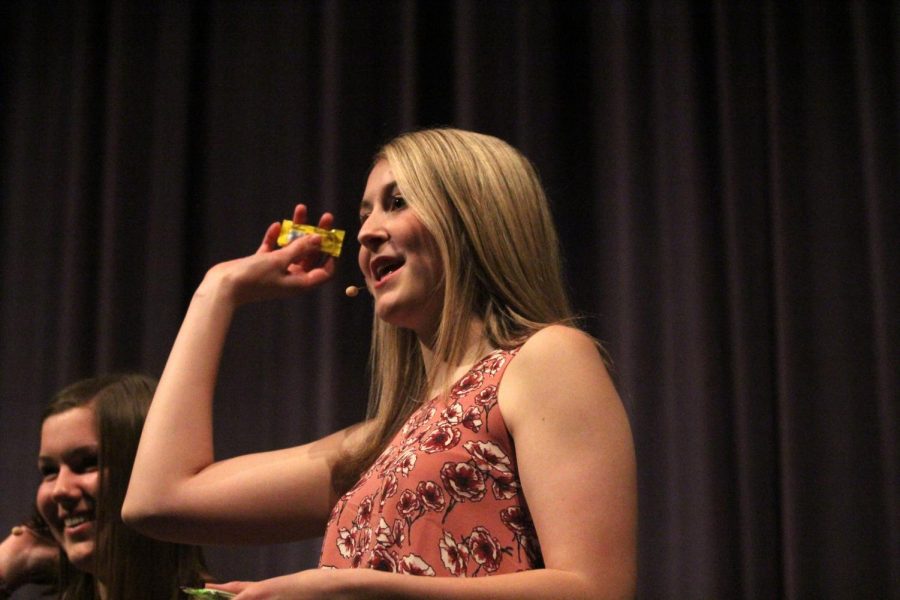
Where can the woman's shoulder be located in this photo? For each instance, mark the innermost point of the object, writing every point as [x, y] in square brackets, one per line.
[559, 344]
[557, 367]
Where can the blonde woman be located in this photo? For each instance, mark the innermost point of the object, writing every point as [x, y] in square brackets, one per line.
[497, 461]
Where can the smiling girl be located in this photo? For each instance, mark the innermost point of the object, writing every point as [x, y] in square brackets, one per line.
[89, 437]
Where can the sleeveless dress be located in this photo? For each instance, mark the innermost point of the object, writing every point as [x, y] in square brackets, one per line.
[444, 497]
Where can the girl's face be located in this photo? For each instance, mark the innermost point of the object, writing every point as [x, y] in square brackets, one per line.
[67, 495]
[398, 257]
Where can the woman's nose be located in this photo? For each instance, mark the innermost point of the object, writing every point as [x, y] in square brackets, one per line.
[372, 232]
[65, 487]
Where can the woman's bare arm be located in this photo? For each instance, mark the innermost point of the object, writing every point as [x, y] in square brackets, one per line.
[177, 491]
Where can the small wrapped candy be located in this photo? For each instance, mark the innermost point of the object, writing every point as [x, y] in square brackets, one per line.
[332, 239]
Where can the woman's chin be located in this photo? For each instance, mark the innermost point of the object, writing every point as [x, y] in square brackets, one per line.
[81, 555]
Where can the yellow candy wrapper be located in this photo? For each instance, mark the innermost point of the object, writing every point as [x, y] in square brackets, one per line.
[332, 239]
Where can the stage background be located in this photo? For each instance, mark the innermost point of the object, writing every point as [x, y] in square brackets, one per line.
[724, 176]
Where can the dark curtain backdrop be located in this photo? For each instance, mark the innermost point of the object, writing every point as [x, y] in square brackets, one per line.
[724, 176]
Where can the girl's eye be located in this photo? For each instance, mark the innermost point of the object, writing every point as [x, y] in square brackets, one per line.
[398, 202]
[85, 464]
[48, 473]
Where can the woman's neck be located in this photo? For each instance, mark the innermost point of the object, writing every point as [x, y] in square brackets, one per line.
[441, 372]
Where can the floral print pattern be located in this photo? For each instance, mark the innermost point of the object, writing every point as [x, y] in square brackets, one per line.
[444, 498]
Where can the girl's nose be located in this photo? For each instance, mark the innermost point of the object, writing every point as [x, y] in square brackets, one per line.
[66, 487]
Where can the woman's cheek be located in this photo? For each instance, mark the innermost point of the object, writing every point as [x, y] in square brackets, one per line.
[47, 509]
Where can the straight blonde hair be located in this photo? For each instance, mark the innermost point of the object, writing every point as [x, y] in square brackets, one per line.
[482, 202]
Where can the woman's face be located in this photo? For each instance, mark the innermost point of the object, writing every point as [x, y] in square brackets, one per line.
[67, 495]
[398, 257]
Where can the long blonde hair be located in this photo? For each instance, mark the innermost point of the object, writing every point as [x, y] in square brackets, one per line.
[484, 205]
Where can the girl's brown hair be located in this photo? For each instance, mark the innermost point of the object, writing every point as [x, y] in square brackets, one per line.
[129, 564]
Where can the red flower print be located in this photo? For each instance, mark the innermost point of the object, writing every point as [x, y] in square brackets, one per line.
[346, 543]
[463, 481]
[383, 560]
[487, 397]
[388, 536]
[408, 504]
[485, 549]
[454, 556]
[381, 463]
[453, 413]
[431, 495]
[388, 488]
[472, 419]
[363, 512]
[362, 542]
[505, 486]
[443, 437]
[533, 550]
[413, 564]
[515, 519]
[405, 462]
[412, 440]
[419, 418]
[488, 456]
[468, 383]
[491, 363]
[443, 498]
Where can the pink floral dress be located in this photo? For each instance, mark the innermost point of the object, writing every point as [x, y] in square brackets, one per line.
[444, 498]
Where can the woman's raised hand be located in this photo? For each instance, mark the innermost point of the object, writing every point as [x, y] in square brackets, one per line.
[273, 272]
[28, 556]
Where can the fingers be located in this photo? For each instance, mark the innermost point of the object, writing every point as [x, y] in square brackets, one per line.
[326, 221]
[300, 213]
[231, 587]
[270, 238]
[18, 530]
[305, 247]
[321, 274]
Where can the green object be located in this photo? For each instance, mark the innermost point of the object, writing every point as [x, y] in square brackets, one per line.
[207, 593]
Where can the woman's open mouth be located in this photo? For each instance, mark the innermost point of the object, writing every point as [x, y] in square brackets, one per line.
[383, 267]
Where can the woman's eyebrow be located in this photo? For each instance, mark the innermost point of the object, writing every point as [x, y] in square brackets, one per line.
[86, 449]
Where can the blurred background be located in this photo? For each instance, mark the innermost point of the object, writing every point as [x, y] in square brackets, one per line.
[724, 176]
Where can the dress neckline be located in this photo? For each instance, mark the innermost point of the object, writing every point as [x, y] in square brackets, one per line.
[469, 371]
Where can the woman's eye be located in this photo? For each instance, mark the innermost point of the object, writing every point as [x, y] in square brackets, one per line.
[48, 473]
[86, 464]
[362, 217]
[398, 202]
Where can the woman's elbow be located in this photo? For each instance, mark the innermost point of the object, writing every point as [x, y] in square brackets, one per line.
[143, 515]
